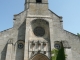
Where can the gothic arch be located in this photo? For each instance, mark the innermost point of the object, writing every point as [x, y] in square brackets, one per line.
[40, 20]
[19, 46]
[39, 57]
[43, 27]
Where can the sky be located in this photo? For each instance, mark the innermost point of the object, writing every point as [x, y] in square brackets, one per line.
[68, 9]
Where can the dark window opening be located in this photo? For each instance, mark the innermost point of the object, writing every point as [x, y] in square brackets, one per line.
[20, 45]
[38, 1]
[39, 31]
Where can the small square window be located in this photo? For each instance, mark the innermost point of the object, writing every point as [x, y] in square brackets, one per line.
[38, 1]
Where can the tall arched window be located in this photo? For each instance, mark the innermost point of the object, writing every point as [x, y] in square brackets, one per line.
[38, 1]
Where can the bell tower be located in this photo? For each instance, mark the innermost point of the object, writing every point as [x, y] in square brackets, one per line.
[36, 8]
[27, 2]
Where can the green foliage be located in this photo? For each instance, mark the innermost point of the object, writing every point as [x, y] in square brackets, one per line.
[55, 53]
[78, 34]
[58, 54]
[61, 54]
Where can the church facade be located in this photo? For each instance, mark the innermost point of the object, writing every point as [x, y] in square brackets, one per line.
[37, 31]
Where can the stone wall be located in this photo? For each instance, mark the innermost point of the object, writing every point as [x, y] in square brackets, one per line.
[17, 32]
[74, 42]
[57, 33]
[4, 37]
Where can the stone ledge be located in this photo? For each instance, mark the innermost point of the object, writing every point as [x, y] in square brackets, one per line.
[55, 14]
[5, 30]
[71, 33]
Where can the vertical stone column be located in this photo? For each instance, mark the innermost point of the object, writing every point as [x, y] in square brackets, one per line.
[26, 51]
[68, 53]
[42, 51]
[9, 51]
[30, 48]
[45, 47]
[14, 51]
[48, 49]
[51, 36]
[67, 50]
[36, 46]
[39, 45]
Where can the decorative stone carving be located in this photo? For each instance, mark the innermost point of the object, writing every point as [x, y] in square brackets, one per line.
[44, 44]
[39, 51]
[57, 44]
[39, 44]
[36, 47]
[44, 52]
[33, 44]
[66, 44]
[10, 41]
[33, 52]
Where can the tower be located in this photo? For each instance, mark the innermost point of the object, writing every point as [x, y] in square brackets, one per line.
[37, 29]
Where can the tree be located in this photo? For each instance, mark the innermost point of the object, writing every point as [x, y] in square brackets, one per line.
[78, 34]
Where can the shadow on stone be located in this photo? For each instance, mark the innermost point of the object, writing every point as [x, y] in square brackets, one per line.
[3, 53]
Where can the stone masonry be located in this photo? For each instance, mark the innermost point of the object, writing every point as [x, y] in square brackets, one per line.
[34, 33]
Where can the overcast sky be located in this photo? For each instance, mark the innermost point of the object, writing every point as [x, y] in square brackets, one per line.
[68, 9]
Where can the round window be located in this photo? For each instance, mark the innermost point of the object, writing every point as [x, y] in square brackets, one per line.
[20, 45]
[57, 46]
[39, 31]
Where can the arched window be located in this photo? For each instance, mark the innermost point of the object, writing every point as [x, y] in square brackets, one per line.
[38, 1]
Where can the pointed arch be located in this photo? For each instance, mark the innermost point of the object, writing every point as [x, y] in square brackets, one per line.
[39, 57]
[40, 28]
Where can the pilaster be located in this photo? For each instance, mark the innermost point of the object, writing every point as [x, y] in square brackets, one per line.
[67, 50]
[26, 51]
[9, 50]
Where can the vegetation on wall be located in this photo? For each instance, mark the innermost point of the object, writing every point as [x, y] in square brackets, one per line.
[78, 34]
[58, 54]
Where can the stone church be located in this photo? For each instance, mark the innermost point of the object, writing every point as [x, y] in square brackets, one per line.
[35, 33]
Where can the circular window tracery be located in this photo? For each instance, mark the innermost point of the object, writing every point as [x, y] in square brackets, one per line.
[57, 46]
[39, 31]
[20, 45]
